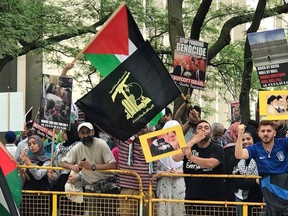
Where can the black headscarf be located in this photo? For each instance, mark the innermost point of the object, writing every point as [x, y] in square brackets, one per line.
[252, 130]
[72, 136]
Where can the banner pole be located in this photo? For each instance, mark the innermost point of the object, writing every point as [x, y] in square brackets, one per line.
[52, 147]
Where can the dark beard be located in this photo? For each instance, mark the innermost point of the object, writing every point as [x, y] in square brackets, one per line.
[87, 141]
[206, 138]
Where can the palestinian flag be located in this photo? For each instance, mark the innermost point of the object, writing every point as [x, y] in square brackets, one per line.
[118, 39]
[10, 184]
[130, 96]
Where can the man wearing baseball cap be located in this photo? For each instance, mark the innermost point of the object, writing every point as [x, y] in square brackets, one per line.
[88, 156]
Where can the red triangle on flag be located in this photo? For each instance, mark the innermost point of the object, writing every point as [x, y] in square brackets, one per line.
[113, 37]
[8, 163]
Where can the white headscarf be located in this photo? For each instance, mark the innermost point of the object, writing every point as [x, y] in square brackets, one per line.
[168, 161]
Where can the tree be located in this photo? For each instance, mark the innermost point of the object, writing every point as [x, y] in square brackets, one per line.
[43, 27]
[224, 38]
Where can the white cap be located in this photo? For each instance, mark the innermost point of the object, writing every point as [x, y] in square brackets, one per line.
[170, 123]
[85, 124]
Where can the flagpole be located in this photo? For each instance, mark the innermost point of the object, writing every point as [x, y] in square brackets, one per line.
[52, 147]
[98, 32]
[7, 194]
[9, 110]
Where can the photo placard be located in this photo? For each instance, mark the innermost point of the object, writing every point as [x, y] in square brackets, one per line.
[162, 143]
[273, 105]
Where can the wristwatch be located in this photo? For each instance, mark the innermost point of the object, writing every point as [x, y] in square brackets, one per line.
[93, 167]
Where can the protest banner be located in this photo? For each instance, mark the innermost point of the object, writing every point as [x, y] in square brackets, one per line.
[235, 111]
[55, 106]
[190, 64]
[269, 50]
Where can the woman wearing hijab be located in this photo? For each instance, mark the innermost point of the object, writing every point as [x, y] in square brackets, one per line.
[60, 177]
[170, 187]
[247, 190]
[36, 178]
[230, 161]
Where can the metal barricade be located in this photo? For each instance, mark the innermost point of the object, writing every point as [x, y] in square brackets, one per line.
[202, 207]
[41, 203]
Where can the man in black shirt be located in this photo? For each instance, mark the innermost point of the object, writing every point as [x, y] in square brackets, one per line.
[201, 156]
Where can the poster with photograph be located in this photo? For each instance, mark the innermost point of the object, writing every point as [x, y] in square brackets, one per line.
[42, 130]
[235, 111]
[162, 143]
[270, 54]
[55, 104]
[190, 64]
[273, 105]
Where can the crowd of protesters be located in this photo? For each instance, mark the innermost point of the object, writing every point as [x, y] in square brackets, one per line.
[210, 149]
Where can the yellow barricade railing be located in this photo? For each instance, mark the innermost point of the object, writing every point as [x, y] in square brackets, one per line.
[141, 197]
[224, 203]
[54, 194]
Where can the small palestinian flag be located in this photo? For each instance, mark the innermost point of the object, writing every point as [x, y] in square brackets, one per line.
[118, 39]
[156, 119]
[10, 184]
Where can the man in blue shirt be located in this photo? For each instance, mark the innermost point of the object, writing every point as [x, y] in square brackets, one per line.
[271, 156]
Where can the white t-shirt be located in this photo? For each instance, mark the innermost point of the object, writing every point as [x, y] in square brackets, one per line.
[98, 153]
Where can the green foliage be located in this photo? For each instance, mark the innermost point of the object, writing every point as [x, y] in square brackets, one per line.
[39, 23]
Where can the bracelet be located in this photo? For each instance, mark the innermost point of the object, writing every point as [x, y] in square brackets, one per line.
[192, 124]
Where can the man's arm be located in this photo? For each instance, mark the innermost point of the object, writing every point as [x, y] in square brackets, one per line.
[241, 153]
[66, 165]
[193, 119]
[88, 166]
[181, 110]
[208, 163]
[187, 150]
[67, 67]
[108, 166]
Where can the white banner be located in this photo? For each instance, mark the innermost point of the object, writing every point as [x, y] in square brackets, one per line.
[12, 111]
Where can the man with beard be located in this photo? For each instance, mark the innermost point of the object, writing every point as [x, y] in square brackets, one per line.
[281, 128]
[160, 146]
[88, 156]
[201, 156]
[271, 158]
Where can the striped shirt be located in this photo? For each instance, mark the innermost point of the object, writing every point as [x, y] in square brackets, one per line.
[139, 166]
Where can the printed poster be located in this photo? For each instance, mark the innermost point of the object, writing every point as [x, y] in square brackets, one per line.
[270, 56]
[162, 143]
[55, 104]
[190, 63]
[273, 105]
[235, 111]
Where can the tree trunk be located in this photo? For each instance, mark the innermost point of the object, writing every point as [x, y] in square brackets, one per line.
[175, 22]
[199, 19]
[248, 64]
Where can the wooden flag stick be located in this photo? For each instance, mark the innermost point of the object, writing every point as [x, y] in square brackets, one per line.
[52, 147]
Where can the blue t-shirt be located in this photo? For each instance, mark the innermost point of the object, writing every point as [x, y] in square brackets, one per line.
[270, 163]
